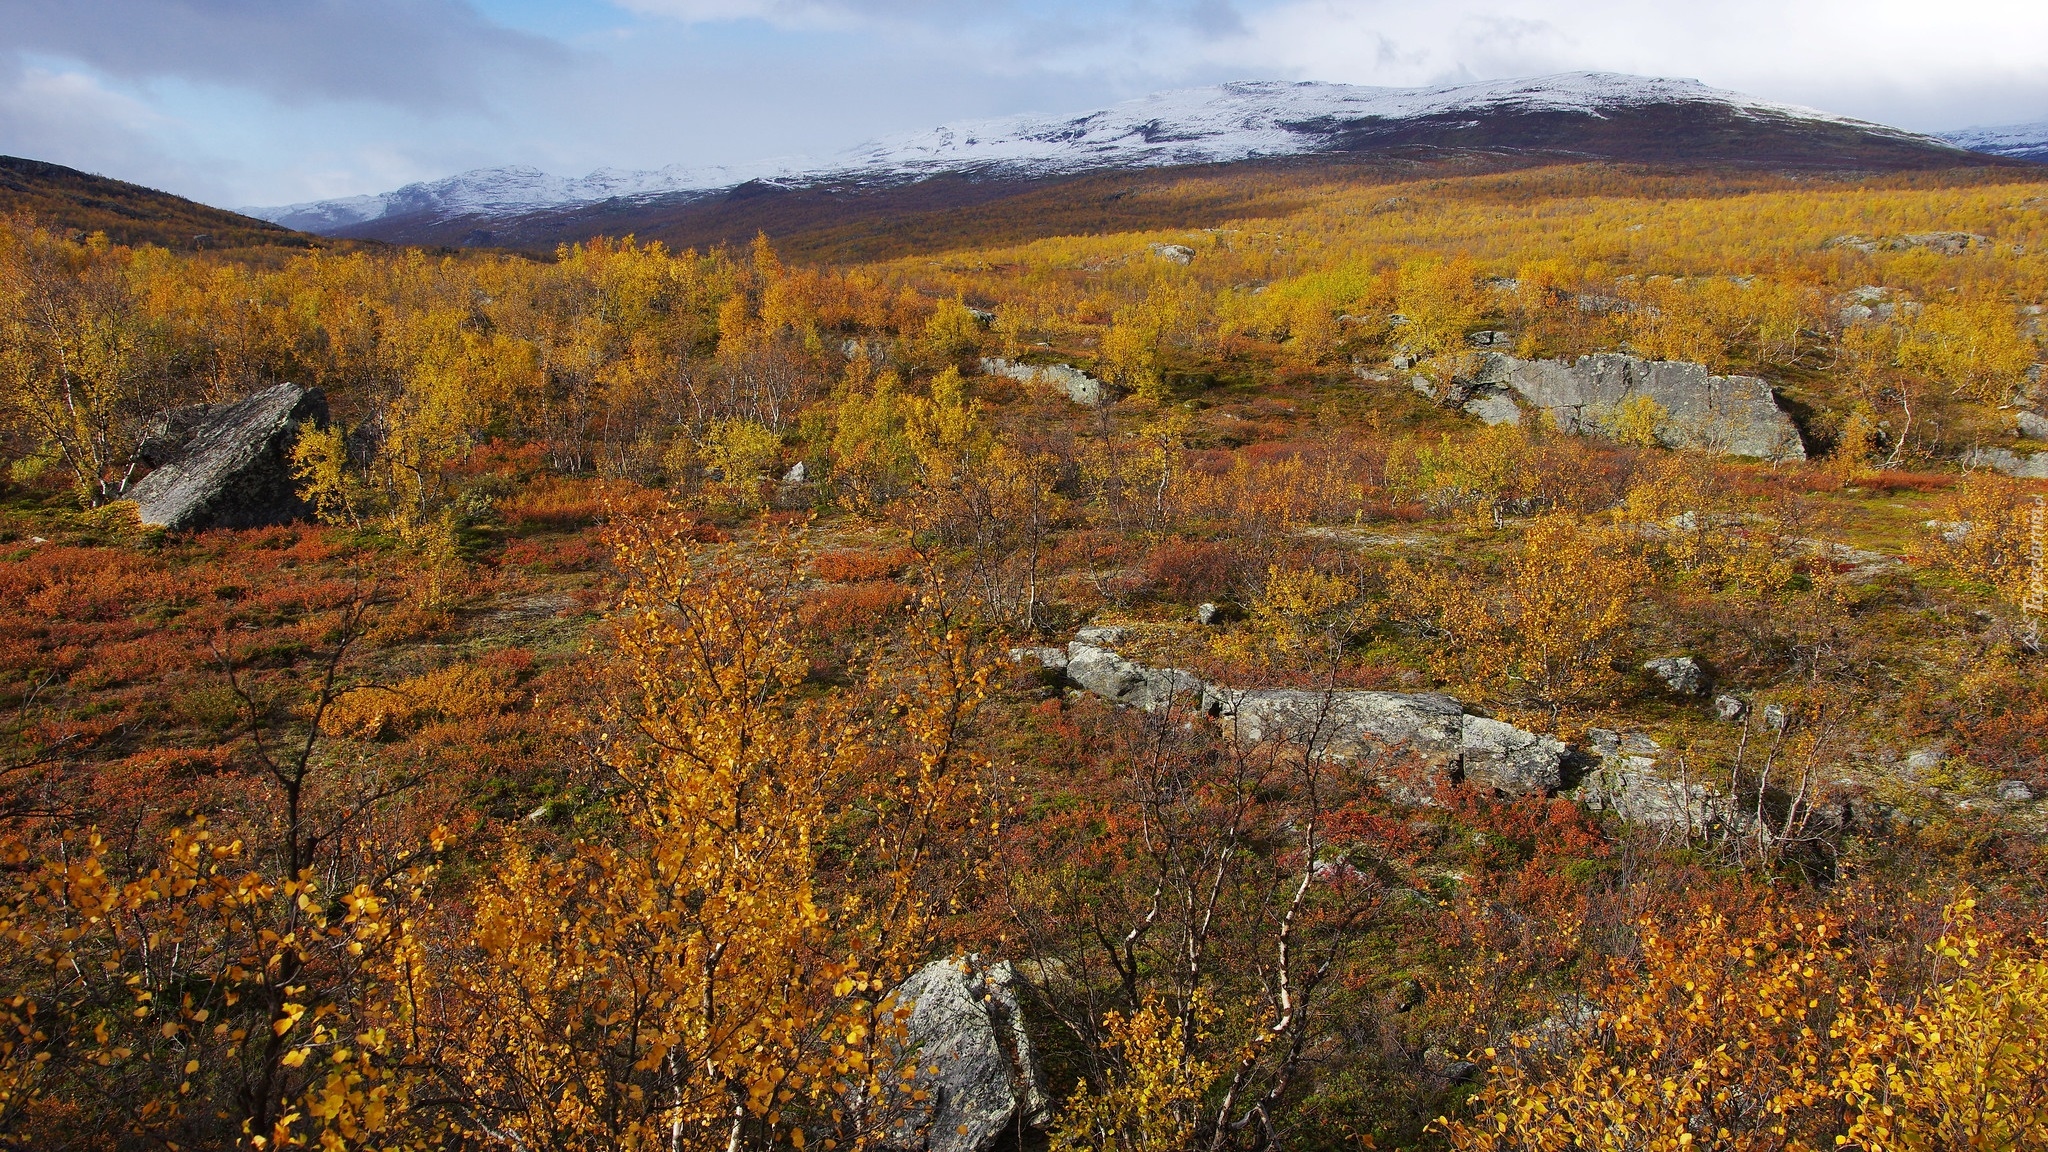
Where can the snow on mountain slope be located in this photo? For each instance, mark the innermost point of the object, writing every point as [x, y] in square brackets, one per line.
[2023, 141]
[1192, 126]
[505, 192]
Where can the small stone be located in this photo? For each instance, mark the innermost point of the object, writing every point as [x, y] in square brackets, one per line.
[1102, 635]
[2033, 425]
[1680, 674]
[797, 474]
[2015, 791]
[1774, 717]
[1173, 253]
[1728, 707]
[1491, 338]
[1922, 759]
[1209, 614]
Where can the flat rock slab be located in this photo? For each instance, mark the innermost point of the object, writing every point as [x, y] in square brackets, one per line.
[1345, 724]
[227, 465]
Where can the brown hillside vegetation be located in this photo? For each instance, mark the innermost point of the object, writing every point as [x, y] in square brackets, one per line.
[586, 775]
[78, 202]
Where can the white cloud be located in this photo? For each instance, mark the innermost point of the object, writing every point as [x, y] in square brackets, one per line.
[1914, 61]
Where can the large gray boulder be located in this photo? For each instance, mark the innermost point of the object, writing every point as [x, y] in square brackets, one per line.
[1075, 384]
[964, 1022]
[226, 465]
[1681, 674]
[1733, 415]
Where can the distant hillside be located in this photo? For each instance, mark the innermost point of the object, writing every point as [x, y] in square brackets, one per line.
[2018, 141]
[66, 198]
[1006, 169]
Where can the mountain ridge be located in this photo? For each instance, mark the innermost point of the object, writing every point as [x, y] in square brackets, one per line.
[1218, 124]
[2014, 141]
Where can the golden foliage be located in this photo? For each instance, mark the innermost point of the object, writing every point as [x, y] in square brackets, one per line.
[1155, 1089]
[1546, 629]
[685, 980]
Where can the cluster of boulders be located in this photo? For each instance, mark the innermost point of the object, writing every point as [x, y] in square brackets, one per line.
[1621, 772]
[1733, 415]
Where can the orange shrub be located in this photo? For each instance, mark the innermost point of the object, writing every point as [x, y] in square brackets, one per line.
[846, 608]
[852, 566]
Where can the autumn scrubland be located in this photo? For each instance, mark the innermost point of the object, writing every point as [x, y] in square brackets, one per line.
[583, 775]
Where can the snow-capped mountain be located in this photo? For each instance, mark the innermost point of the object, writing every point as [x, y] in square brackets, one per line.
[1218, 124]
[1241, 121]
[2021, 141]
[490, 192]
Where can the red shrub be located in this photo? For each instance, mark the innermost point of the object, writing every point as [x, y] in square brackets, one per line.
[1191, 570]
[854, 565]
[846, 608]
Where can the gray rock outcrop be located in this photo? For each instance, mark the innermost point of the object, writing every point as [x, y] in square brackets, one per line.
[1733, 415]
[2033, 466]
[2032, 425]
[964, 1022]
[1344, 724]
[1630, 782]
[1946, 243]
[226, 465]
[1172, 253]
[1347, 723]
[1131, 684]
[1073, 383]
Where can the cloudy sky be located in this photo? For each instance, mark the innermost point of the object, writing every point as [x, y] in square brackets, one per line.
[239, 102]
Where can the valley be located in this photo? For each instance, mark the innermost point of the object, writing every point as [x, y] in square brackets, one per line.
[1295, 616]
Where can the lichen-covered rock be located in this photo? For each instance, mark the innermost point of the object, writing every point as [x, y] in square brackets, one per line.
[1053, 658]
[226, 465]
[1075, 384]
[964, 1022]
[1733, 415]
[1630, 782]
[1344, 724]
[1681, 674]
